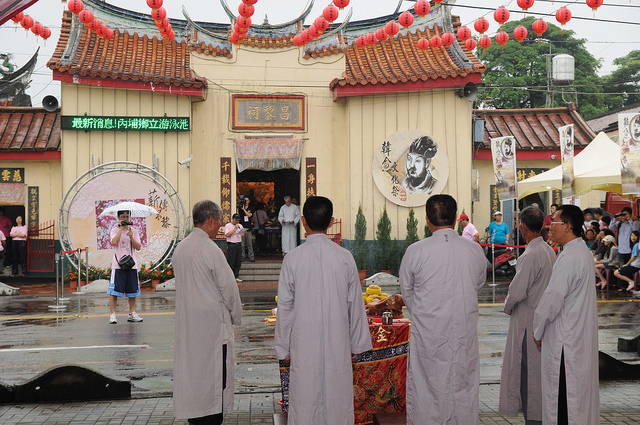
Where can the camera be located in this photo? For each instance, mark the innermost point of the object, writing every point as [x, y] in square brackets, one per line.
[241, 199]
[125, 223]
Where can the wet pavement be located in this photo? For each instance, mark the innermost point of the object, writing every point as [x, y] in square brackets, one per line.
[34, 338]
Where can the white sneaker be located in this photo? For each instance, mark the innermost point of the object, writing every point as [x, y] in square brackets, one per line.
[238, 281]
[113, 319]
[133, 317]
[636, 294]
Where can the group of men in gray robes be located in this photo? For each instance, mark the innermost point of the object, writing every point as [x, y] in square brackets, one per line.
[289, 216]
[552, 304]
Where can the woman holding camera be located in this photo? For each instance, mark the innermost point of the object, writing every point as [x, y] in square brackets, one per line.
[124, 277]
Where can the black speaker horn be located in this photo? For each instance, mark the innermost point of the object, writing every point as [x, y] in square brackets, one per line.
[469, 92]
[50, 103]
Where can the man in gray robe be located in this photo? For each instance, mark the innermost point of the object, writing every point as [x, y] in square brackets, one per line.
[440, 278]
[289, 217]
[565, 325]
[321, 323]
[207, 305]
[520, 383]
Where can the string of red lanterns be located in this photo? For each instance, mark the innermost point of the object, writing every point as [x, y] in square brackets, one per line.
[159, 15]
[28, 23]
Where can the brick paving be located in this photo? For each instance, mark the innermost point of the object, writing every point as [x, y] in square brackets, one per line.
[619, 404]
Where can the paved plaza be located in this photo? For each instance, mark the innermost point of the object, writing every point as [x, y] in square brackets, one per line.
[35, 339]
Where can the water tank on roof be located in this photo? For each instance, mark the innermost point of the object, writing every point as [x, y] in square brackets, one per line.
[563, 70]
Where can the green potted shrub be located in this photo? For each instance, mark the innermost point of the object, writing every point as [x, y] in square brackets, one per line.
[412, 231]
[359, 248]
[383, 252]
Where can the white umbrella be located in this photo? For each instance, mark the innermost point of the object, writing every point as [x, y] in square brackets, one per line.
[135, 210]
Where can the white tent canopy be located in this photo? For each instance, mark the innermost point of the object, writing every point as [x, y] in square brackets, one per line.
[597, 167]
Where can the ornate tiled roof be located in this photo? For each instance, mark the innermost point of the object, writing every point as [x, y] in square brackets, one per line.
[534, 129]
[126, 57]
[399, 60]
[29, 129]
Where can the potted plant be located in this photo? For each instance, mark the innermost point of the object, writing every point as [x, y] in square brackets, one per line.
[383, 249]
[359, 248]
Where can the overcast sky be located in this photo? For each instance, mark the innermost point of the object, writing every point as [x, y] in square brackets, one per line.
[605, 40]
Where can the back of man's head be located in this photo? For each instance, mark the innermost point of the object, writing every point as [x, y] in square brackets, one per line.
[533, 218]
[317, 212]
[441, 210]
[202, 210]
[573, 216]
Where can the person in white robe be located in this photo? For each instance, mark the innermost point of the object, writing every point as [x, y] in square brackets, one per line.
[321, 323]
[207, 306]
[289, 217]
[565, 325]
[520, 384]
[440, 278]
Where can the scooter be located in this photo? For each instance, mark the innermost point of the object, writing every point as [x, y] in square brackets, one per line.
[504, 263]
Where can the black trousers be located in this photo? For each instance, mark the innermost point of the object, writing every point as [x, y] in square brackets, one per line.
[234, 257]
[19, 252]
[218, 417]
[563, 413]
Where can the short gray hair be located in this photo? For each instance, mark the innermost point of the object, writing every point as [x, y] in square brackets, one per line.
[533, 218]
[202, 210]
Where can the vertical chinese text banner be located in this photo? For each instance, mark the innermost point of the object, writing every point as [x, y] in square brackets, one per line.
[310, 177]
[225, 188]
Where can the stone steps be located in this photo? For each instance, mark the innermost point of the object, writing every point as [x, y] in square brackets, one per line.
[260, 271]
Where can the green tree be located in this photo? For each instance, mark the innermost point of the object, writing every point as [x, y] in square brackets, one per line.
[383, 249]
[625, 79]
[359, 247]
[412, 231]
[516, 75]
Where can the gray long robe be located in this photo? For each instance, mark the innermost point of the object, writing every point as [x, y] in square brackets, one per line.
[287, 214]
[321, 322]
[567, 319]
[207, 305]
[533, 272]
[440, 277]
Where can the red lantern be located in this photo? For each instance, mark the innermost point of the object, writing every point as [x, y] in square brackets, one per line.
[502, 38]
[159, 14]
[485, 42]
[321, 24]
[330, 13]
[361, 41]
[37, 28]
[95, 24]
[405, 19]
[172, 35]
[501, 15]
[243, 22]
[108, 34]
[520, 33]
[435, 41]
[306, 36]
[594, 5]
[102, 30]
[423, 44]
[381, 35]
[370, 38]
[563, 15]
[525, 5]
[470, 44]
[422, 7]
[464, 33]
[17, 18]
[86, 16]
[246, 10]
[481, 25]
[341, 3]
[235, 38]
[154, 4]
[297, 41]
[539, 27]
[448, 38]
[27, 22]
[46, 33]
[314, 31]
[75, 6]
[250, 2]
[392, 28]
[163, 23]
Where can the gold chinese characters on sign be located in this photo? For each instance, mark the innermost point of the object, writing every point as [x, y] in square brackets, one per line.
[11, 175]
[310, 177]
[34, 207]
[253, 112]
[225, 189]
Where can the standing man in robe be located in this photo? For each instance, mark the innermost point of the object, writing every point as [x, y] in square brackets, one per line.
[441, 293]
[565, 325]
[321, 322]
[207, 307]
[289, 217]
[520, 383]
